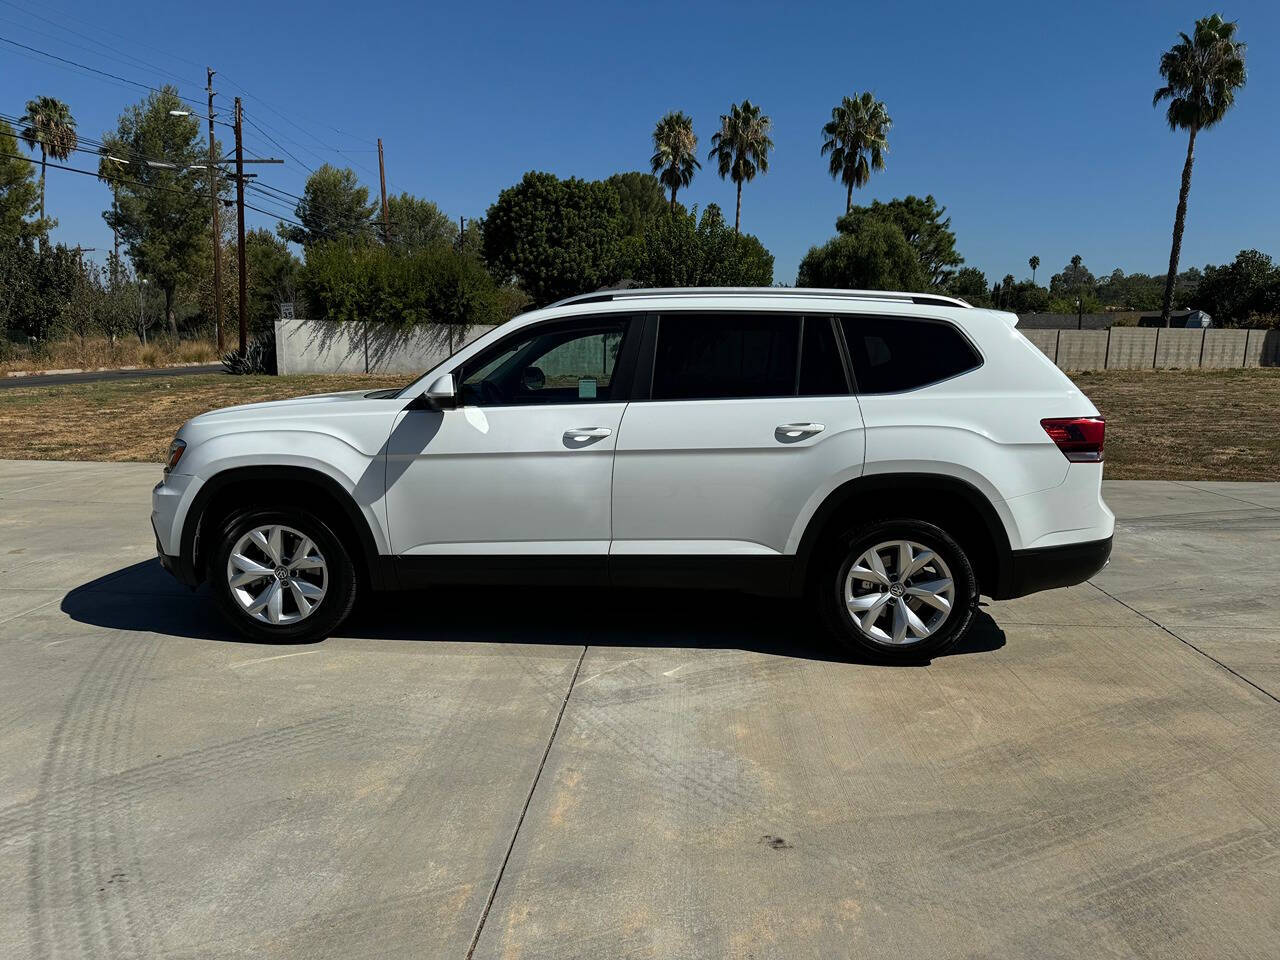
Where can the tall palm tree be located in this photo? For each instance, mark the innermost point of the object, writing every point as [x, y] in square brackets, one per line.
[741, 148]
[675, 152]
[1034, 264]
[857, 139]
[1202, 74]
[48, 124]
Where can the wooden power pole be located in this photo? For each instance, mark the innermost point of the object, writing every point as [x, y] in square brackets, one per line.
[217, 233]
[244, 316]
[382, 177]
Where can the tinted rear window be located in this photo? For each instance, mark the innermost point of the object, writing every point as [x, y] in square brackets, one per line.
[891, 354]
[724, 356]
[821, 369]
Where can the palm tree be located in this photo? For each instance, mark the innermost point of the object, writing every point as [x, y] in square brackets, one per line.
[1202, 74]
[675, 152]
[1034, 264]
[857, 139]
[741, 148]
[48, 124]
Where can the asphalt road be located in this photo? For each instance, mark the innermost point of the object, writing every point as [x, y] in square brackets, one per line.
[645, 775]
[55, 379]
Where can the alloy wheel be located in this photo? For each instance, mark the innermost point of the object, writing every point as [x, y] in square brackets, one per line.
[277, 574]
[899, 592]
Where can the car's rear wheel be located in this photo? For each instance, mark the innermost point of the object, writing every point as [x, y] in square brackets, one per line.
[901, 590]
[281, 575]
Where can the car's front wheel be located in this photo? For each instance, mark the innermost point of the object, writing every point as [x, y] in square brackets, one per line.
[281, 575]
[901, 590]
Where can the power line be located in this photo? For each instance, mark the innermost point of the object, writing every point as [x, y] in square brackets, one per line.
[119, 57]
[119, 36]
[104, 73]
[289, 153]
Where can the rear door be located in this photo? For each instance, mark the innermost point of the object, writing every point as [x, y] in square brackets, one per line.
[743, 419]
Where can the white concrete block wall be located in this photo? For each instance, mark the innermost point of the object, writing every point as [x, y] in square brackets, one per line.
[1082, 349]
[1178, 349]
[322, 346]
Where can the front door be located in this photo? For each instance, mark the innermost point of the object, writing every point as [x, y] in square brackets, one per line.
[523, 466]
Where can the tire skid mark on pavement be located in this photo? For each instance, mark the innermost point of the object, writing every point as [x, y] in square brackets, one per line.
[65, 864]
[60, 805]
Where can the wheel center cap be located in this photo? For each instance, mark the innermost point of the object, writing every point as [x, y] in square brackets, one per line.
[282, 573]
[896, 589]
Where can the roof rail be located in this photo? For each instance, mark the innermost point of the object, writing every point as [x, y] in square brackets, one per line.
[892, 296]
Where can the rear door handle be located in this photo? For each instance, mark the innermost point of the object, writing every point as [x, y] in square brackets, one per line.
[794, 431]
[579, 434]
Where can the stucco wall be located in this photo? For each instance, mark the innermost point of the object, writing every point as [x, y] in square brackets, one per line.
[321, 346]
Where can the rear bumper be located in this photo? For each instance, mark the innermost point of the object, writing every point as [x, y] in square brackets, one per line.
[1045, 568]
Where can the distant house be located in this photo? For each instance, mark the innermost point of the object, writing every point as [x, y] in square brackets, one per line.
[1178, 318]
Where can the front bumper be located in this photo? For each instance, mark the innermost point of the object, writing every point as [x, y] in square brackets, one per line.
[1046, 568]
[169, 501]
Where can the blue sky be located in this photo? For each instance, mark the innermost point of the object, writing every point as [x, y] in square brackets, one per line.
[1033, 126]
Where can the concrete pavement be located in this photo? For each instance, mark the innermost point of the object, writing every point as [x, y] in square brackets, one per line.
[650, 775]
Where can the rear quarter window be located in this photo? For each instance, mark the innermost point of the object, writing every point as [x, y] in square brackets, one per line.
[893, 354]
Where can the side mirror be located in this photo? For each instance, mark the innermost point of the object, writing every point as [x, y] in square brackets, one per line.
[441, 394]
[533, 378]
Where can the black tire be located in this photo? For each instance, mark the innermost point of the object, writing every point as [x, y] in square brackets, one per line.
[828, 588]
[340, 592]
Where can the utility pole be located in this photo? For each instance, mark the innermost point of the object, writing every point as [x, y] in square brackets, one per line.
[382, 177]
[217, 233]
[244, 317]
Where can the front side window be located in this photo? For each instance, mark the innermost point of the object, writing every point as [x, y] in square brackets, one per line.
[566, 363]
[725, 356]
[892, 354]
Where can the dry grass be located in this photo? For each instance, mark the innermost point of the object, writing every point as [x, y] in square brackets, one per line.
[136, 419]
[95, 352]
[1161, 425]
[1189, 424]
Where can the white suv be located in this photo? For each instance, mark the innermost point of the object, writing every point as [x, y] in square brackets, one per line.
[888, 456]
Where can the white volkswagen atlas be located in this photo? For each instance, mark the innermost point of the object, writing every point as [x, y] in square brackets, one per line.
[888, 456]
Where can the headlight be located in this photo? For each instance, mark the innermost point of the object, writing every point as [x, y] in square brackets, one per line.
[175, 454]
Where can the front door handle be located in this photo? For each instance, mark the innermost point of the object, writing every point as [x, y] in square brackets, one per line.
[579, 434]
[796, 431]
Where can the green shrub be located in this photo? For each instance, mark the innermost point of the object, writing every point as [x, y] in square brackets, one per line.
[437, 284]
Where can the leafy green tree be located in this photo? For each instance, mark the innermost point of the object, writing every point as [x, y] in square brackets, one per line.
[1075, 280]
[19, 194]
[418, 223]
[161, 190]
[271, 277]
[48, 124]
[640, 199]
[554, 237]
[925, 228]
[1034, 264]
[741, 148]
[680, 250]
[1202, 74]
[432, 285]
[857, 138]
[1238, 292]
[39, 285]
[675, 152]
[875, 257]
[334, 206]
[970, 284]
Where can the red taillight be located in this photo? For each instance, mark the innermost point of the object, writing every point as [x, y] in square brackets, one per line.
[1079, 438]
